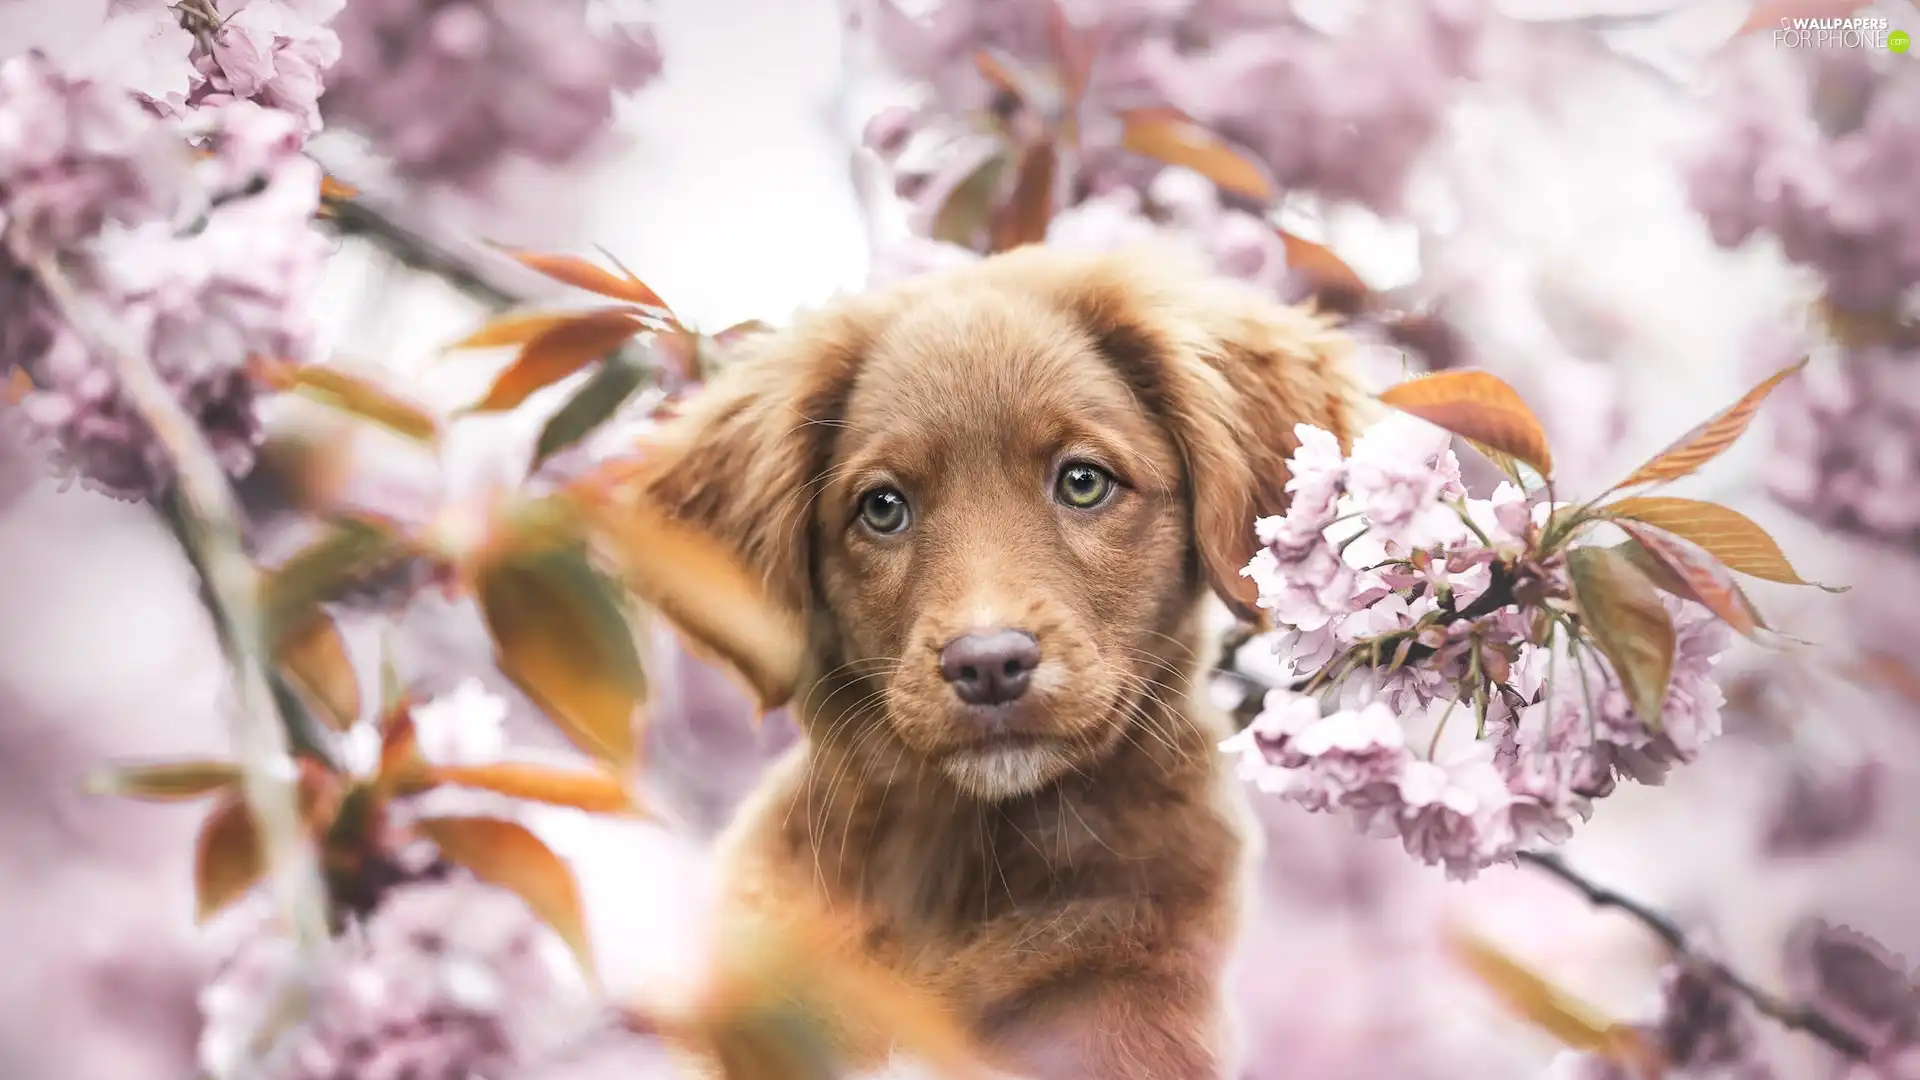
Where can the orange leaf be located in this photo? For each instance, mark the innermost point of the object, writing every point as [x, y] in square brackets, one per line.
[582, 274]
[227, 860]
[719, 605]
[19, 385]
[1072, 50]
[594, 792]
[524, 327]
[314, 659]
[560, 635]
[1890, 671]
[166, 782]
[1689, 572]
[1167, 136]
[789, 998]
[400, 760]
[1708, 441]
[1621, 610]
[1028, 211]
[1477, 406]
[1336, 285]
[351, 394]
[557, 352]
[990, 64]
[1533, 998]
[1725, 533]
[504, 854]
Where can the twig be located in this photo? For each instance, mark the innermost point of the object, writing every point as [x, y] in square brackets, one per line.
[353, 217]
[211, 533]
[1803, 1018]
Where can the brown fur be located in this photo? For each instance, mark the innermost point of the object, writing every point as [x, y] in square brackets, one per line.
[1074, 901]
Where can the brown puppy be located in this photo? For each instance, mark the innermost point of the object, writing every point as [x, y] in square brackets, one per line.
[999, 496]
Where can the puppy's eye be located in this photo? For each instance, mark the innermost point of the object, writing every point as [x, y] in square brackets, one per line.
[1084, 487]
[884, 510]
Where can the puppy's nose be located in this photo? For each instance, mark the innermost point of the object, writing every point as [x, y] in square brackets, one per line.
[990, 668]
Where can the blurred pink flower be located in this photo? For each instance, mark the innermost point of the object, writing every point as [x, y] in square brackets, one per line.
[444, 980]
[202, 297]
[1847, 442]
[1862, 986]
[75, 155]
[1818, 148]
[532, 79]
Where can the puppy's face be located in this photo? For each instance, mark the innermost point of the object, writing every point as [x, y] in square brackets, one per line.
[1003, 540]
[996, 494]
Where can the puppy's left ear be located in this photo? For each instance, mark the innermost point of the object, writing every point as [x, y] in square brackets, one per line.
[1230, 372]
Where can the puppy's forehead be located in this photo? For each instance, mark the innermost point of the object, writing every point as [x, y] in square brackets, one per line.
[990, 362]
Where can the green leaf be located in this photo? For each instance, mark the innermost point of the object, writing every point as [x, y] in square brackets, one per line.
[291, 594]
[596, 402]
[171, 781]
[1621, 610]
[970, 203]
[560, 634]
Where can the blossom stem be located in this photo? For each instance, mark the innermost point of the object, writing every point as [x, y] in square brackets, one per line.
[1804, 1018]
[1467, 520]
[210, 531]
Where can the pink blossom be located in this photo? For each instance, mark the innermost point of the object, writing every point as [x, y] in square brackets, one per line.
[444, 979]
[509, 78]
[1832, 191]
[220, 272]
[1456, 815]
[1316, 475]
[75, 155]
[1400, 471]
[263, 53]
[1304, 593]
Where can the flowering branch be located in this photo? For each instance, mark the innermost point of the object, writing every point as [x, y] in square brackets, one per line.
[352, 217]
[210, 533]
[1803, 1018]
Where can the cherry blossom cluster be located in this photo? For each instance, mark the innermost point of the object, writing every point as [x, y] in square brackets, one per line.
[444, 980]
[1847, 443]
[197, 238]
[530, 79]
[1443, 696]
[1817, 148]
[1269, 83]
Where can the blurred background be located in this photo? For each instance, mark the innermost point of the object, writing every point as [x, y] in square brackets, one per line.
[1632, 210]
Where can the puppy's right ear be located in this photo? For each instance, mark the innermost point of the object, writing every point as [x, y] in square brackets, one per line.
[740, 466]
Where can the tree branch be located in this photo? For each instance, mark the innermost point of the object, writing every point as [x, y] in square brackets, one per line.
[1802, 1018]
[352, 217]
[210, 530]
